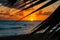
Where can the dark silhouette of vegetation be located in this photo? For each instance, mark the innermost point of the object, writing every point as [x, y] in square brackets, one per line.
[50, 22]
[11, 2]
[49, 3]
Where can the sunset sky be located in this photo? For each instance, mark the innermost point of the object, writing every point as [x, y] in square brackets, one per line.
[11, 13]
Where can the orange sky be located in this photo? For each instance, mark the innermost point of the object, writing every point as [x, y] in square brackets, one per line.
[12, 11]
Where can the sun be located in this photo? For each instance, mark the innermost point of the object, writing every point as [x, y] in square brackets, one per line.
[31, 19]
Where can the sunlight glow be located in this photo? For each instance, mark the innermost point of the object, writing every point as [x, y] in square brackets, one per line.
[31, 19]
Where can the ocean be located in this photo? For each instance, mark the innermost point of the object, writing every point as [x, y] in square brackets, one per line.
[12, 28]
